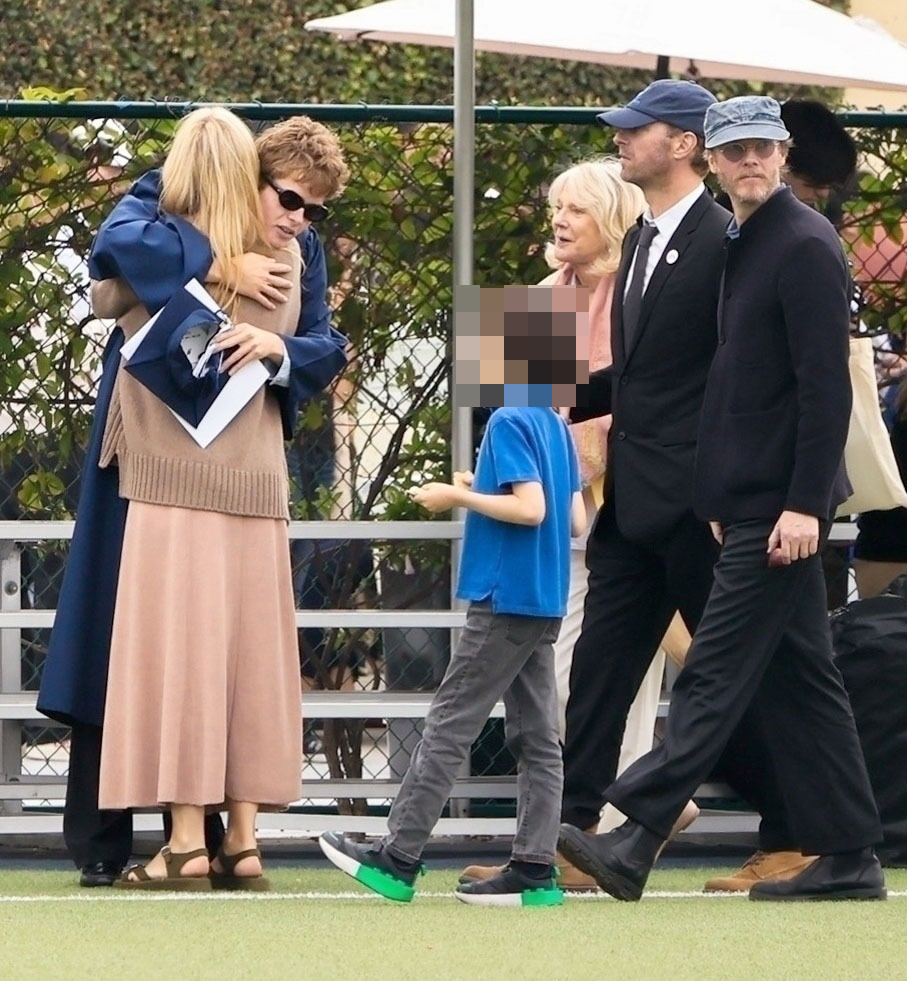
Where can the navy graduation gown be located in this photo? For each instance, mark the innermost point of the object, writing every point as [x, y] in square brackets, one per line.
[74, 681]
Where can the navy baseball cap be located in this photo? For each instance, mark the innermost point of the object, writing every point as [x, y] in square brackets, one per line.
[678, 103]
[745, 117]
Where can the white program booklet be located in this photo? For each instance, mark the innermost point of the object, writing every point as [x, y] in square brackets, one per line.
[233, 397]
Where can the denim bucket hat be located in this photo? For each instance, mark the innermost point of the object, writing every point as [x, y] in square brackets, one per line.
[746, 117]
[673, 101]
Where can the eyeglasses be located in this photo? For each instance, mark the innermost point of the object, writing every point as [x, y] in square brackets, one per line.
[291, 201]
[735, 152]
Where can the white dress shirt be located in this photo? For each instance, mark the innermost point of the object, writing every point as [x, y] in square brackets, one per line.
[666, 223]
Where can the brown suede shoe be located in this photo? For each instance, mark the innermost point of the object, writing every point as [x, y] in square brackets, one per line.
[569, 877]
[761, 867]
[479, 873]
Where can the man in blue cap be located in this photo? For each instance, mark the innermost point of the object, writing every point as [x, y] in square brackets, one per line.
[768, 476]
[648, 554]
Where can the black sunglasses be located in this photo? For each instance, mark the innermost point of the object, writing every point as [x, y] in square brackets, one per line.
[291, 201]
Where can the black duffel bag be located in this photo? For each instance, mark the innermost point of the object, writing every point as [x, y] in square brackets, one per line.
[870, 642]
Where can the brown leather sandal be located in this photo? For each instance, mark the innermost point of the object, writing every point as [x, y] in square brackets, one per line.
[174, 881]
[228, 879]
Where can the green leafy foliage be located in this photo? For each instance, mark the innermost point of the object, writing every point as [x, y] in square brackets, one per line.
[54, 192]
[252, 50]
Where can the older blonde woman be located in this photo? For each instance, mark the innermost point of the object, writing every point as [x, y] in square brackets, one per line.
[591, 209]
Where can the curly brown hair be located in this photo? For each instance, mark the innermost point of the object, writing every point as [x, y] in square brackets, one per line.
[302, 150]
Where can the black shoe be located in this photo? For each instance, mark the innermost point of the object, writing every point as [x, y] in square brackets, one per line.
[100, 874]
[851, 875]
[619, 861]
[511, 888]
[371, 865]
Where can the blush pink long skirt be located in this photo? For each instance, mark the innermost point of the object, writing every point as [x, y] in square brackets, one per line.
[203, 698]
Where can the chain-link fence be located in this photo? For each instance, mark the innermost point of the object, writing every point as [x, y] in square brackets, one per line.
[387, 424]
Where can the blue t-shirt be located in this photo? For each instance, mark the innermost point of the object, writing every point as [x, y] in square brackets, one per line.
[520, 568]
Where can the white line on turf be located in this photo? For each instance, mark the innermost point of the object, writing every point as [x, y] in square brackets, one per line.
[202, 897]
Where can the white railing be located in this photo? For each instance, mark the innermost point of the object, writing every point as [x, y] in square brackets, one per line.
[17, 707]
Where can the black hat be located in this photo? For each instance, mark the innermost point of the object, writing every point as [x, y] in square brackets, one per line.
[823, 152]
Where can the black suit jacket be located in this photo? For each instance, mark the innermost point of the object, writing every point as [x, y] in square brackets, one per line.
[655, 388]
[777, 404]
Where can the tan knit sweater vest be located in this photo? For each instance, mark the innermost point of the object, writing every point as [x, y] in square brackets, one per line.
[243, 471]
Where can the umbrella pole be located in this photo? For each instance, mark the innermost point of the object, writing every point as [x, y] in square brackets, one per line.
[464, 196]
[464, 142]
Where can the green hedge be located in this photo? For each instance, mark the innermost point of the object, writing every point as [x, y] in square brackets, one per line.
[246, 50]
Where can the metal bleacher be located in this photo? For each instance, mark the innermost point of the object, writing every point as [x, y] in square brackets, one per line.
[23, 797]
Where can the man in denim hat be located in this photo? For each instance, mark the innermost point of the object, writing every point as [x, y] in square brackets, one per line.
[769, 474]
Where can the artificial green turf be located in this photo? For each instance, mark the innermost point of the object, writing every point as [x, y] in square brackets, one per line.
[74, 936]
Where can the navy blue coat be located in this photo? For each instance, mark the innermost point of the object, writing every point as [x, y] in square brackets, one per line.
[777, 401]
[74, 681]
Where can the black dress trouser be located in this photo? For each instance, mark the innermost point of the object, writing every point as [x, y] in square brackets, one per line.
[93, 835]
[633, 592]
[763, 642]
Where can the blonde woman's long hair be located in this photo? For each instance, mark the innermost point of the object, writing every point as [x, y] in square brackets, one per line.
[614, 204]
[211, 178]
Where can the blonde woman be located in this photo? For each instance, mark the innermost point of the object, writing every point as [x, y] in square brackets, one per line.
[202, 707]
[591, 209]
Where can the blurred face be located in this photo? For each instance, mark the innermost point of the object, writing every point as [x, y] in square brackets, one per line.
[577, 238]
[491, 359]
[281, 224]
[749, 170]
[646, 154]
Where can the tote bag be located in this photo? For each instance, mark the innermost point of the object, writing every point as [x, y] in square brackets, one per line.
[868, 456]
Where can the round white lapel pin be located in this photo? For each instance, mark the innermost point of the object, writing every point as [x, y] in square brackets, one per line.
[672, 257]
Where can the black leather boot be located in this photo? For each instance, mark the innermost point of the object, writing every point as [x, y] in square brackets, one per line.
[850, 875]
[619, 861]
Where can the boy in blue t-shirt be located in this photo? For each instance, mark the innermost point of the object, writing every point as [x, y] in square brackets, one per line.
[523, 506]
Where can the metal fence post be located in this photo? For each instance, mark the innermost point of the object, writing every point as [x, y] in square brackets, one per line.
[10, 667]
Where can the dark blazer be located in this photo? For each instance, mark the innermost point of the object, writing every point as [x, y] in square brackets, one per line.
[777, 403]
[655, 389]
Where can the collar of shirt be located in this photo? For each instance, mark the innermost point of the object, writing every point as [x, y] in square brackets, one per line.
[666, 223]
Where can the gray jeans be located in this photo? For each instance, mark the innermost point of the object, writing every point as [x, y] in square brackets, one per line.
[498, 654]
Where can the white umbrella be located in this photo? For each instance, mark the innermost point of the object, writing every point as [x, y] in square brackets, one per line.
[791, 41]
[794, 41]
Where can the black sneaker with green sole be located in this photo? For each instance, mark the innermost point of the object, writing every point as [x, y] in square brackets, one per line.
[371, 865]
[510, 888]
